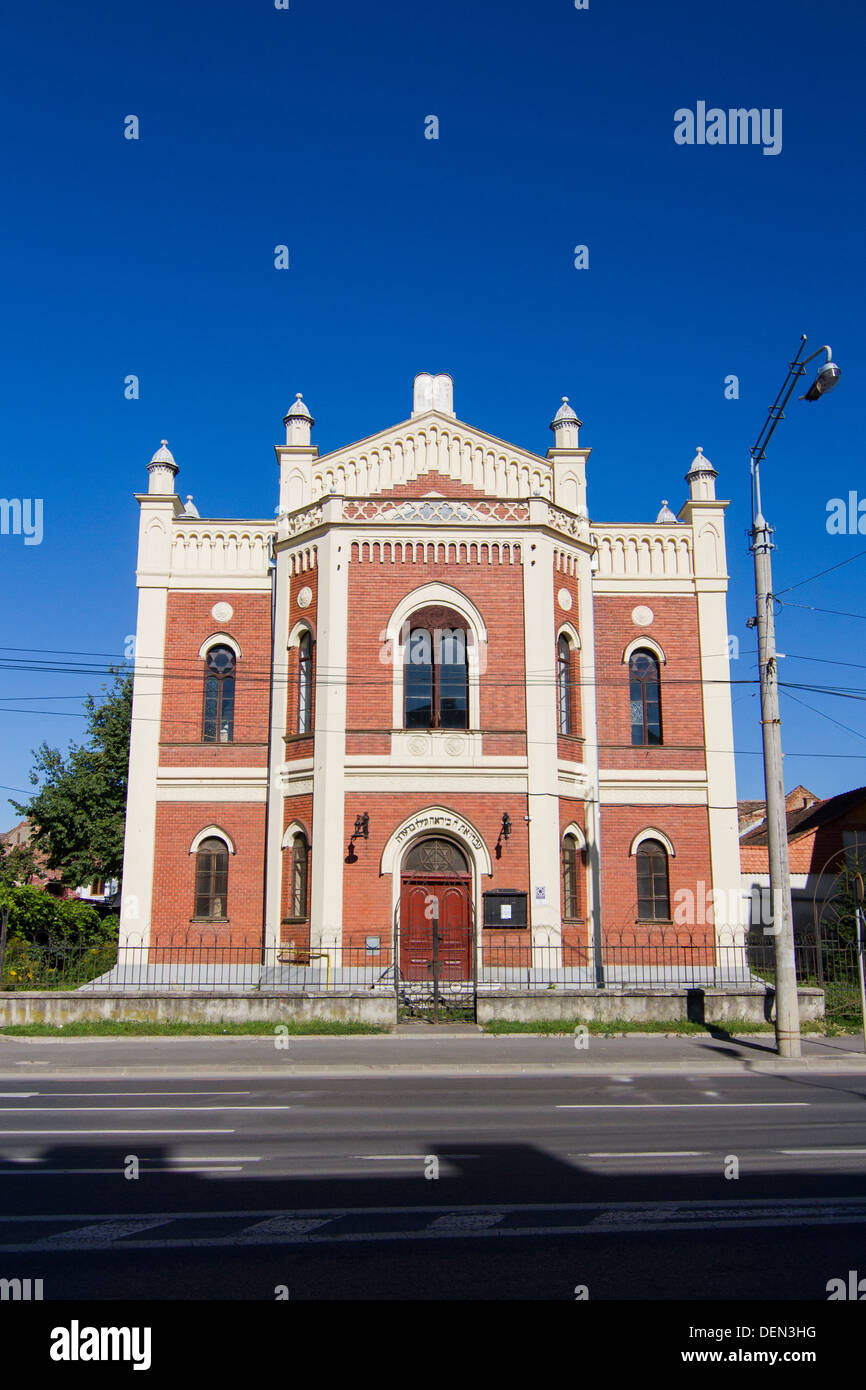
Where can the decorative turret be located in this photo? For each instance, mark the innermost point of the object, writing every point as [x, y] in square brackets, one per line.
[565, 426]
[701, 479]
[665, 516]
[163, 471]
[298, 423]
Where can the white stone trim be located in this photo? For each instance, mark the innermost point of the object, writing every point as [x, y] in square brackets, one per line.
[219, 639]
[441, 821]
[570, 631]
[627, 585]
[302, 626]
[212, 832]
[210, 776]
[652, 834]
[636, 795]
[206, 791]
[655, 776]
[485, 765]
[329, 794]
[359, 780]
[423, 597]
[542, 739]
[297, 785]
[431, 444]
[639, 644]
[575, 830]
[293, 829]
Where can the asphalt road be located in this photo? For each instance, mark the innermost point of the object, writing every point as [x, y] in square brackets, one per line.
[326, 1185]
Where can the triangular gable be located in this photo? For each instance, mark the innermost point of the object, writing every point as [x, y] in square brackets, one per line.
[449, 456]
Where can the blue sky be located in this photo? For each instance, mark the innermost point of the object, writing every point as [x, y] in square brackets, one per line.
[305, 127]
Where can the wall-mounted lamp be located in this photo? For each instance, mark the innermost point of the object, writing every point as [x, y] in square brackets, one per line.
[504, 832]
[361, 832]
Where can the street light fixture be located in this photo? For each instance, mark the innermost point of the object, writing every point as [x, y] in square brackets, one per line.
[787, 1004]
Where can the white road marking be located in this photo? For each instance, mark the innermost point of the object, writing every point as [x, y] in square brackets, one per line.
[68, 1095]
[109, 1172]
[400, 1158]
[693, 1105]
[588, 1218]
[821, 1151]
[285, 1226]
[649, 1153]
[100, 1233]
[114, 1109]
[467, 1221]
[46, 1133]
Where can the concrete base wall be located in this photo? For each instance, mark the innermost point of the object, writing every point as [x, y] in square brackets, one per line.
[378, 1010]
[644, 1005]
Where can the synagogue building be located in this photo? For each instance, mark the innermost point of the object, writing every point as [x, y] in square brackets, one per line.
[430, 697]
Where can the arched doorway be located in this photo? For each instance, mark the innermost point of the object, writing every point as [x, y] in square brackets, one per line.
[435, 912]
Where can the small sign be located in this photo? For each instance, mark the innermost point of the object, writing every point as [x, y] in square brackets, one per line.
[505, 911]
[373, 945]
[541, 895]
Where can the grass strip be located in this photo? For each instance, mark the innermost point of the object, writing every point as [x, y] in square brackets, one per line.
[132, 1027]
[614, 1026]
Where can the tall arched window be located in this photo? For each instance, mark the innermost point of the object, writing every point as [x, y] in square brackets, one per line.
[645, 697]
[211, 880]
[219, 696]
[653, 882]
[436, 691]
[300, 876]
[305, 684]
[563, 685]
[570, 893]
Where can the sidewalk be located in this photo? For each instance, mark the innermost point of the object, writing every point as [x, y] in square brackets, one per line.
[421, 1050]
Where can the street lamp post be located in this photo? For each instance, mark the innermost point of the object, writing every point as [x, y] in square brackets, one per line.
[787, 1004]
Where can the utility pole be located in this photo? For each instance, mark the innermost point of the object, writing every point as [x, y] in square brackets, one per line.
[787, 1002]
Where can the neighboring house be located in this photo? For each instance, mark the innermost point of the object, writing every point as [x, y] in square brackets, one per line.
[102, 892]
[47, 879]
[430, 683]
[821, 834]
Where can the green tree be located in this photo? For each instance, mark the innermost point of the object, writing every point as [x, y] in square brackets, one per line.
[79, 811]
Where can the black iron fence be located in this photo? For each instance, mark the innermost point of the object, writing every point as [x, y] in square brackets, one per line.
[627, 959]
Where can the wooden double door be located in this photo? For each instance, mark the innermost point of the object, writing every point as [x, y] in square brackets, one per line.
[435, 926]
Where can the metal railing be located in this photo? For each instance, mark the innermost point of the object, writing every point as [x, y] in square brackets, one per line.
[626, 959]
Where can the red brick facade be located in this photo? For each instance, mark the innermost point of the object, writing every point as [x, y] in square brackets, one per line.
[514, 570]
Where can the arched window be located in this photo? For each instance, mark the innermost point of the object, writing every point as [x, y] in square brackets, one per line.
[300, 876]
[563, 685]
[211, 880]
[645, 697]
[435, 857]
[436, 689]
[305, 684]
[570, 893]
[653, 883]
[219, 696]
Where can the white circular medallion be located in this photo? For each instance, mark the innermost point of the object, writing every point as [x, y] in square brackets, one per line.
[305, 597]
[417, 747]
[222, 612]
[565, 600]
[642, 616]
[454, 747]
